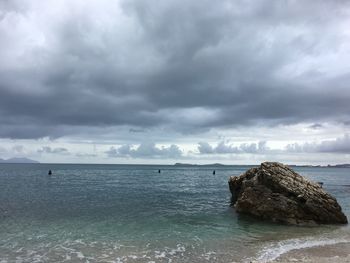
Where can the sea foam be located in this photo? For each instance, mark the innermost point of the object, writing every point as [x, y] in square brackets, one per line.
[273, 251]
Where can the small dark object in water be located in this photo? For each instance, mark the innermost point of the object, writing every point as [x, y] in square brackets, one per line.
[50, 172]
[320, 183]
[214, 172]
[159, 171]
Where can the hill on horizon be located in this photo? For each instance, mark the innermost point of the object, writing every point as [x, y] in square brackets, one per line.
[18, 160]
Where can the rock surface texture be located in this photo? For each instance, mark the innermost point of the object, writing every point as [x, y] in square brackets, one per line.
[275, 192]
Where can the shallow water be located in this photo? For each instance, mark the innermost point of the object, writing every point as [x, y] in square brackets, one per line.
[132, 213]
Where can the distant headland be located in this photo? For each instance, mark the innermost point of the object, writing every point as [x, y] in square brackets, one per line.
[190, 164]
[18, 160]
[345, 165]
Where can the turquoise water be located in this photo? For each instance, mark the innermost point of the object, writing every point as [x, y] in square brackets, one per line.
[132, 213]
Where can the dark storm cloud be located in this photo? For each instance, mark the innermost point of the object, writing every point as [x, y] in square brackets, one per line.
[145, 150]
[188, 65]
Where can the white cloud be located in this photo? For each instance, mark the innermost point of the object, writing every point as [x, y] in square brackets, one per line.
[145, 150]
[226, 148]
[49, 150]
[338, 145]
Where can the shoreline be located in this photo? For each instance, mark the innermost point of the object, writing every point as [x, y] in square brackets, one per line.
[338, 253]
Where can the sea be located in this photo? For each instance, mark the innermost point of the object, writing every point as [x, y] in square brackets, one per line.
[134, 213]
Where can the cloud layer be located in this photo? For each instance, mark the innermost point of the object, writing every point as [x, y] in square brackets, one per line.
[224, 148]
[145, 150]
[339, 145]
[48, 149]
[186, 66]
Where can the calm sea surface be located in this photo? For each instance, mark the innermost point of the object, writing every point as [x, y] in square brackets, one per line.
[132, 213]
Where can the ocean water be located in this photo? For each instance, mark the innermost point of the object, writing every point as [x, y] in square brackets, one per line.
[132, 213]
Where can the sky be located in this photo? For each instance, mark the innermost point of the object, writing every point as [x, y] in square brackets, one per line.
[234, 82]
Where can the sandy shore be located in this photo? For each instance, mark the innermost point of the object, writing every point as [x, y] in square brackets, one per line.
[320, 254]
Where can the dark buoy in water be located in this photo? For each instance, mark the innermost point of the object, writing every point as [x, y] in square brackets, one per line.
[214, 172]
[159, 171]
[50, 172]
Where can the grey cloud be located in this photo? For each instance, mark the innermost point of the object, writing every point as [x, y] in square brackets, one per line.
[48, 149]
[86, 155]
[225, 148]
[146, 64]
[3, 150]
[11, 6]
[259, 147]
[133, 130]
[18, 149]
[339, 145]
[145, 150]
[206, 148]
[316, 126]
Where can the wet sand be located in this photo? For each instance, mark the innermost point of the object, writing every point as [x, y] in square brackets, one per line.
[321, 254]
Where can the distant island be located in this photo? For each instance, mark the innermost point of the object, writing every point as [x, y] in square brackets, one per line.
[345, 165]
[189, 164]
[18, 160]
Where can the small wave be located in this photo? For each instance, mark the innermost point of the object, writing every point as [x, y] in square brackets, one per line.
[272, 252]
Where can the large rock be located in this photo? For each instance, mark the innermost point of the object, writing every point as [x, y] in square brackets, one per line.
[275, 192]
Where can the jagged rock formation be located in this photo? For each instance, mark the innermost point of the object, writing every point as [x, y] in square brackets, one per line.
[275, 192]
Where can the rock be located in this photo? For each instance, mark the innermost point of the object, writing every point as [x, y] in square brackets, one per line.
[275, 192]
